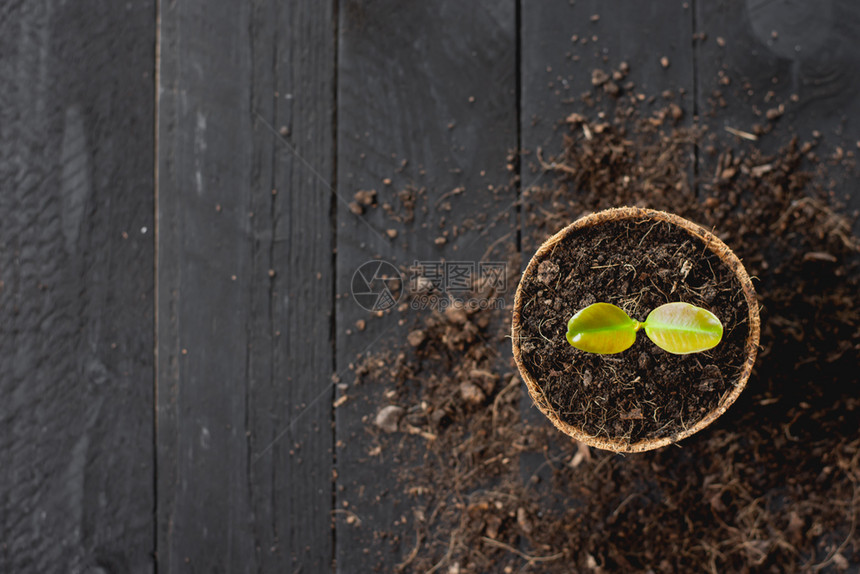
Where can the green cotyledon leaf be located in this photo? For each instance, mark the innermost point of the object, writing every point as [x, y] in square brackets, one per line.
[602, 328]
[681, 328]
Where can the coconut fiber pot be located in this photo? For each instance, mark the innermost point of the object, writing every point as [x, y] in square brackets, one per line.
[644, 397]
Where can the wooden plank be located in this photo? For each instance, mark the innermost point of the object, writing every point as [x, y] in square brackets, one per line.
[432, 84]
[76, 287]
[797, 61]
[291, 311]
[204, 280]
[562, 44]
[244, 484]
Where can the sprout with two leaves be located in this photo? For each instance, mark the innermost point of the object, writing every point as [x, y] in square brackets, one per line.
[678, 328]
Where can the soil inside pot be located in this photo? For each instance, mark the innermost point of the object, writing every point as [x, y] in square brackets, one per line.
[644, 392]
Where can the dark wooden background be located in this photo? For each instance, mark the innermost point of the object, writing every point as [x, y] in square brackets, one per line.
[176, 248]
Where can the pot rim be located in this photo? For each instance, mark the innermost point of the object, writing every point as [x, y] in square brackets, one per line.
[713, 243]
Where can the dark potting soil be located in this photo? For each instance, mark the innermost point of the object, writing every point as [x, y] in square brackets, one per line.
[644, 392]
[486, 484]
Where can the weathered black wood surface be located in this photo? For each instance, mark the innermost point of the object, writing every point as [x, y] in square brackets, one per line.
[205, 431]
[291, 356]
[563, 43]
[204, 274]
[432, 84]
[794, 60]
[244, 286]
[76, 286]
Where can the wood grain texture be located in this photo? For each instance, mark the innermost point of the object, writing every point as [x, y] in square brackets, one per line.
[432, 84]
[244, 278]
[759, 56]
[76, 287]
[291, 354]
[204, 283]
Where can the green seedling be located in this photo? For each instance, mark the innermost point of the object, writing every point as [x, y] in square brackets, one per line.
[678, 328]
